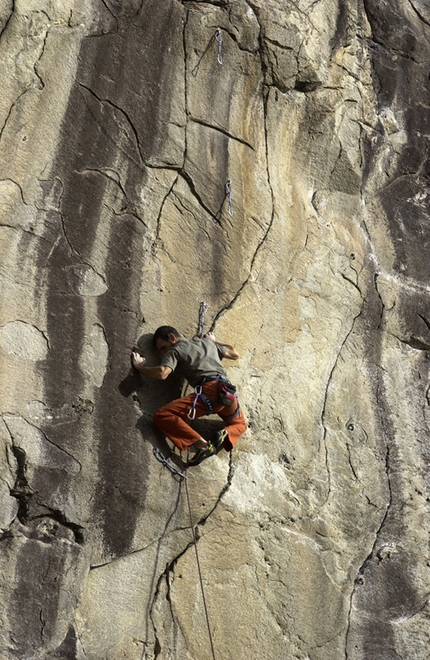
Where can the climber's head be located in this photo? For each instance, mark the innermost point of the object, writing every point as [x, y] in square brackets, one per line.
[165, 337]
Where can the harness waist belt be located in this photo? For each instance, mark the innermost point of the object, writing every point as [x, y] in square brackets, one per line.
[212, 378]
[207, 401]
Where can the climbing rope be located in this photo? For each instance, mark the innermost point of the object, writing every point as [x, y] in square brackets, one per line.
[229, 193]
[218, 38]
[202, 311]
[200, 572]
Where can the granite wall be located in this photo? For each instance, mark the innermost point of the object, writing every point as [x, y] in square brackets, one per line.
[121, 122]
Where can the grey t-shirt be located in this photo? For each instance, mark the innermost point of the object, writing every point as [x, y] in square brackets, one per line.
[193, 359]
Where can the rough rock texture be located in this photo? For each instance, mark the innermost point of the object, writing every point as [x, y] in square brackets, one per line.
[119, 129]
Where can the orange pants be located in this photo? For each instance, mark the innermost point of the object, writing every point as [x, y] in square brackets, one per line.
[172, 419]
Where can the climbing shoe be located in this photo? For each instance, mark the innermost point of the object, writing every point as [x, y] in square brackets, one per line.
[218, 440]
[201, 455]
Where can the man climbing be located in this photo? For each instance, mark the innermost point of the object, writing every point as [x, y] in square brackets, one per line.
[199, 361]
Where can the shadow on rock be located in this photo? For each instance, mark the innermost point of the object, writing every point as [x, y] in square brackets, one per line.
[133, 381]
[155, 438]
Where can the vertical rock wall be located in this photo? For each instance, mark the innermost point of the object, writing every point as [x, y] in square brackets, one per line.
[120, 125]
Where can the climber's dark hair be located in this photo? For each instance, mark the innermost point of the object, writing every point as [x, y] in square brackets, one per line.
[163, 333]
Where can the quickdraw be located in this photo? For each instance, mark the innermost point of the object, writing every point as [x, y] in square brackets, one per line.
[198, 391]
[229, 193]
[192, 413]
[173, 469]
[202, 311]
[218, 38]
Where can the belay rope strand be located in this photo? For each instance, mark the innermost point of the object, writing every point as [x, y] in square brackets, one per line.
[200, 572]
[202, 311]
[200, 331]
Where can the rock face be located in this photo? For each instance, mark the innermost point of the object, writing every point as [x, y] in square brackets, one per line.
[270, 158]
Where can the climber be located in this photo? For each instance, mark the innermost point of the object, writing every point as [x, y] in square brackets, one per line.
[199, 361]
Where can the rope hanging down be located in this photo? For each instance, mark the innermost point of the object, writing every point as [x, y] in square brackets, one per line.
[200, 573]
[202, 311]
[229, 193]
[218, 38]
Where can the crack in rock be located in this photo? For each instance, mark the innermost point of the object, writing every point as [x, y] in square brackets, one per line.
[165, 576]
[39, 450]
[124, 114]
[221, 130]
[326, 394]
[264, 238]
[24, 340]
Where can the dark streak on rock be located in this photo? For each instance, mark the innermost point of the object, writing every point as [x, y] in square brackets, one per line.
[21, 489]
[122, 112]
[340, 36]
[401, 83]
[384, 590]
[120, 76]
[35, 610]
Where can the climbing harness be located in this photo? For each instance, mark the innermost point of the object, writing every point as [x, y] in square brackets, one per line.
[165, 461]
[229, 193]
[235, 414]
[202, 311]
[200, 572]
[226, 396]
[218, 38]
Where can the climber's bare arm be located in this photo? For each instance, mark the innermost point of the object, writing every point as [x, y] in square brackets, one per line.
[155, 373]
[231, 352]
